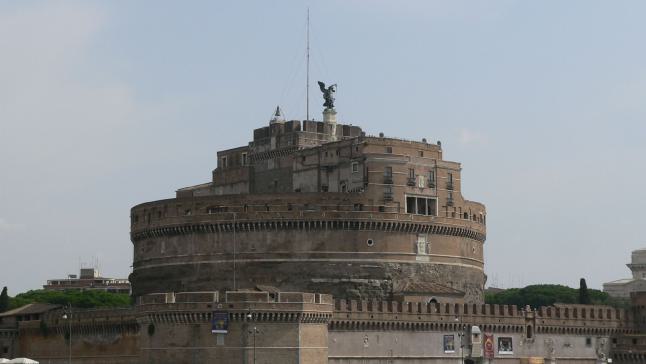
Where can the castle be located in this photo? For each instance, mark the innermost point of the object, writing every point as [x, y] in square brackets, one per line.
[318, 243]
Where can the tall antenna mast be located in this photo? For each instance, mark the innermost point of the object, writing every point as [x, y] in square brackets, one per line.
[307, 82]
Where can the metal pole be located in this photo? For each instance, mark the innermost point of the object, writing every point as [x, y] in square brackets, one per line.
[70, 332]
[234, 253]
[307, 82]
[254, 345]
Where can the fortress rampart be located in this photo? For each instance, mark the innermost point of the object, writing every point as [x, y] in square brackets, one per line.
[299, 327]
[187, 239]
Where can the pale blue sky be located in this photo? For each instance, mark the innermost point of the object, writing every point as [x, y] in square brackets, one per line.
[104, 105]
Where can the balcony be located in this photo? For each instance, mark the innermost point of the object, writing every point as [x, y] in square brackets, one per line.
[431, 184]
[449, 202]
[411, 181]
[388, 180]
[449, 185]
[388, 196]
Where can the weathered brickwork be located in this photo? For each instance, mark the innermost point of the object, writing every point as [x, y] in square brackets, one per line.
[323, 208]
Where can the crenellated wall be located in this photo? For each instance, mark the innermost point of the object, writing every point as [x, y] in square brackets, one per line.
[98, 336]
[286, 327]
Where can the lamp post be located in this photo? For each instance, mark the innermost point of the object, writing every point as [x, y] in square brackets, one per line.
[461, 336]
[253, 331]
[67, 315]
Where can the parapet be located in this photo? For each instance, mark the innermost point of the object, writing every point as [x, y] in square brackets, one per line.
[573, 319]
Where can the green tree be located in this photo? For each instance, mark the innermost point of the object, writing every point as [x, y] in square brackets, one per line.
[4, 300]
[545, 295]
[584, 295]
[81, 299]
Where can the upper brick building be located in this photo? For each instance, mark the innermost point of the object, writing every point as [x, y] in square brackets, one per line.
[318, 206]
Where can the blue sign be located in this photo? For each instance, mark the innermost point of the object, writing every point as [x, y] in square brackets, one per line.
[220, 322]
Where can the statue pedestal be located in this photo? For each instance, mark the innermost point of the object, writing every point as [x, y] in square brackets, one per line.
[329, 116]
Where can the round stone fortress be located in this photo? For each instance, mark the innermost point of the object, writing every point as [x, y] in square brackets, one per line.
[318, 207]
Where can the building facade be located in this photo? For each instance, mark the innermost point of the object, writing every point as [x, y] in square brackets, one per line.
[320, 207]
[623, 288]
[89, 279]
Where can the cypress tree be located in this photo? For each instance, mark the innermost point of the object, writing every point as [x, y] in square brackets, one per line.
[4, 300]
[584, 295]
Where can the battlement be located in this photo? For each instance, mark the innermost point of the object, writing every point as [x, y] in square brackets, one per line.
[504, 318]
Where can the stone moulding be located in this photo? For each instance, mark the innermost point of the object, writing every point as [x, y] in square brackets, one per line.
[386, 226]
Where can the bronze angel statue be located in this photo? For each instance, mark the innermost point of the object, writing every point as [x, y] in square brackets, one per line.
[328, 94]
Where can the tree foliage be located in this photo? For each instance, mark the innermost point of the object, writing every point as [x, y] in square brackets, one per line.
[81, 299]
[545, 295]
[4, 300]
[584, 295]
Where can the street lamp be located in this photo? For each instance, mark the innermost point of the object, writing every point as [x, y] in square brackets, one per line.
[67, 315]
[461, 336]
[253, 331]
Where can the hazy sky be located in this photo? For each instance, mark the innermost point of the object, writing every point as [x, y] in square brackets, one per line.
[104, 105]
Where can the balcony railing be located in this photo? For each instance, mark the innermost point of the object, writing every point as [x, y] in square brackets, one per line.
[388, 196]
[431, 184]
[449, 185]
[411, 181]
[388, 180]
[449, 202]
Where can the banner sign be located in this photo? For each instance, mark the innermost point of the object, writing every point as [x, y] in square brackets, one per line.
[488, 346]
[220, 322]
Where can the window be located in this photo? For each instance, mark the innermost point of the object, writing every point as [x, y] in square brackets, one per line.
[355, 167]
[223, 162]
[358, 207]
[420, 153]
[243, 159]
[389, 150]
[411, 173]
[421, 205]
[450, 177]
[588, 341]
[431, 176]
[388, 175]
[382, 208]
[505, 345]
[410, 205]
[370, 242]
[449, 343]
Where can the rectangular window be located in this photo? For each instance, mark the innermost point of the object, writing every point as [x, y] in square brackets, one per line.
[449, 343]
[389, 150]
[588, 341]
[431, 176]
[421, 153]
[388, 172]
[505, 345]
[421, 206]
[355, 167]
[432, 207]
[411, 173]
[410, 205]
[244, 159]
[223, 163]
[450, 177]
